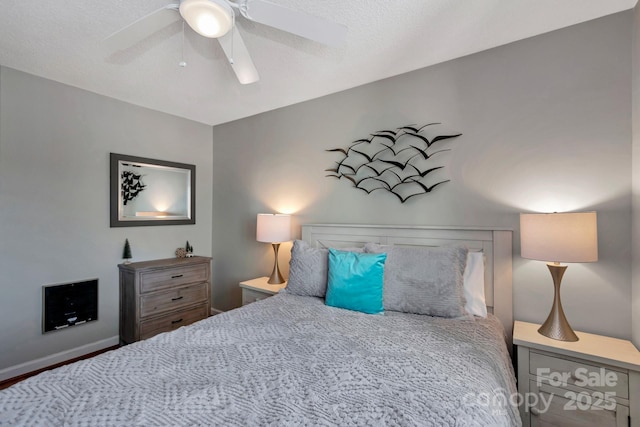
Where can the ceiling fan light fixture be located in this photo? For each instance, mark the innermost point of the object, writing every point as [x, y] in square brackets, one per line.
[209, 18]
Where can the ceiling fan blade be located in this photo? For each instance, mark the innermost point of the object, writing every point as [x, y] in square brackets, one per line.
[238, 56]
[142, 28]
[295, 22]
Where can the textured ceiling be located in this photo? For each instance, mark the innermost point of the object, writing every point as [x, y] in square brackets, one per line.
[63, 41]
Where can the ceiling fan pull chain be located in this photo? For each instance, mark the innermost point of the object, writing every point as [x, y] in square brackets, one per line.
[233, 27]
[182, 63]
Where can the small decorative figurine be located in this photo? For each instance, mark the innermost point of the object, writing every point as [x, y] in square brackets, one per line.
[126, 253]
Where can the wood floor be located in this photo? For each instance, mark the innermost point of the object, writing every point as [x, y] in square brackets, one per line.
[11, 381]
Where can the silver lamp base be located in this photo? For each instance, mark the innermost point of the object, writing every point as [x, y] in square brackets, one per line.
[276, 277]
[556, 326]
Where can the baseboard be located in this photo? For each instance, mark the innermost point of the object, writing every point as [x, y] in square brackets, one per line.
[43, 362]
[215, 311]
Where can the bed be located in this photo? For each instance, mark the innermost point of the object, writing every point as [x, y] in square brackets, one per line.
[293, 360]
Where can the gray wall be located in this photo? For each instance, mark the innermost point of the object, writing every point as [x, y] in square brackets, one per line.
[55, 142]
[635, 320]
[546, 125]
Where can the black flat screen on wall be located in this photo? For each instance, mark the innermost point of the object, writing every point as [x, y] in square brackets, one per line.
[69, 304]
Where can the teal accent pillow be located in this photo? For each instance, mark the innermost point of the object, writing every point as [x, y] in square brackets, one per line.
[355, 281]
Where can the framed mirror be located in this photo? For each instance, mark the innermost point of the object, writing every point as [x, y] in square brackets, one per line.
[151, 192]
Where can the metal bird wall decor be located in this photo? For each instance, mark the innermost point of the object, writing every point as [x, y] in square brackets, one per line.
[131, 185]
[399, 161]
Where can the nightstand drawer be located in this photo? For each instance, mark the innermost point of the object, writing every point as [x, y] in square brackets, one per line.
[558, 407]
[168, 278]
[159, 302]
[174, 320]
[561, 372]
[593, 382]
[249, 296]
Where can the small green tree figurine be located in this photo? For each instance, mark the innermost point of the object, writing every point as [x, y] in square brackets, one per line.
[189, 249]
[126, 253]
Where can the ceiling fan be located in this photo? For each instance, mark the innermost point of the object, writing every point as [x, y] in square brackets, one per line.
[216, 18]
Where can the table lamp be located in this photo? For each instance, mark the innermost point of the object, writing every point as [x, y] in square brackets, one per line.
[274, 229]
[559, 237]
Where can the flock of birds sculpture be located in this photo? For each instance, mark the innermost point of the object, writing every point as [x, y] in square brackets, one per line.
[131, 185]
[399, 161]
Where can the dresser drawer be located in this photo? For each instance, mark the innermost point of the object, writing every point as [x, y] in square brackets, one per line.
[558, 371]
[163, 294]
[249, 296]
[173, 320]
[170, 277]
[158, 302]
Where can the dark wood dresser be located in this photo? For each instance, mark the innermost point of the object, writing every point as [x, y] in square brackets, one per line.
[163, 295]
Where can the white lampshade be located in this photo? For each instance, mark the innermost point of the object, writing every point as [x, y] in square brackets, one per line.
[559, 237]
[273, 228]
[209, 18]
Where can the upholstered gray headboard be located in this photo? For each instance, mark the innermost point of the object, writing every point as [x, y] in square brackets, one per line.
[494, 243]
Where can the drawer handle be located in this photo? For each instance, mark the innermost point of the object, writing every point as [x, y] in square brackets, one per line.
[177, 276]
[176, 299]
[535, 411]
[173, 322]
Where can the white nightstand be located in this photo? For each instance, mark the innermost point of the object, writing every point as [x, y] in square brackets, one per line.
[591, 382]
[258, 289]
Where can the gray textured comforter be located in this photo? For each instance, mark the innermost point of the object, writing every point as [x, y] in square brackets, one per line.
[287, 360]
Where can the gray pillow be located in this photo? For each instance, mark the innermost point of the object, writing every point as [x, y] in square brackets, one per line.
[307, 270]
[423, 280]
